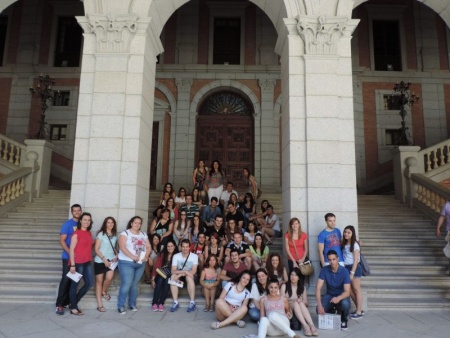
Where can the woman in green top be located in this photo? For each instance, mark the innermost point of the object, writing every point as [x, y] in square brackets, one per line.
[259, 252]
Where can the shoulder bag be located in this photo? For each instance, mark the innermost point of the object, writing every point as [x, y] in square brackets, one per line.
[306, 268]
[364, 265]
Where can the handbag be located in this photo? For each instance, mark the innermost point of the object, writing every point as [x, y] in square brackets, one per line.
[164, 271]
[113, 265]
[258, 193]
[306, 268]
[447, 250]
[364, 265]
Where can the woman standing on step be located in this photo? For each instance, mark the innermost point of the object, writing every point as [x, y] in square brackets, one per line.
[445, 216]
[80, 261]
[295, 244]
[105, 257]
[350, 251]
[215, 180]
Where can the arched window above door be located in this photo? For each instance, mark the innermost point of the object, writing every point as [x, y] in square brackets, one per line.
[226, 103]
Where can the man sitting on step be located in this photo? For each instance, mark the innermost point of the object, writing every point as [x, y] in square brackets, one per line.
[337, 281]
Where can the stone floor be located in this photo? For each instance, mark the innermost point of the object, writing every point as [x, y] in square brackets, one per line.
[40, 321]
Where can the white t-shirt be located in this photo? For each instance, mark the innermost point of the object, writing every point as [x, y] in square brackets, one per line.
[180, 200]
[233, 297]
[135, 244]
[275, 218]
[251, 238]
[348, 256]
[225, 195]
[255, 295]
[178, 261]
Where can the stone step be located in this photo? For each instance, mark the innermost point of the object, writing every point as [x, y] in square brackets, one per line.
[385, 303]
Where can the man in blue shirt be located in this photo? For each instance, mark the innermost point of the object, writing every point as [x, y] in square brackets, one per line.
[210, 212]
[337, 281]
[67, 229]
[330, 239]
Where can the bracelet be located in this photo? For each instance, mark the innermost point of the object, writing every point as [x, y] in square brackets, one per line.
[72, 266]
[352, 272]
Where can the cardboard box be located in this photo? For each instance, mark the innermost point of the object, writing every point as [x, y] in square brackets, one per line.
[330, 322]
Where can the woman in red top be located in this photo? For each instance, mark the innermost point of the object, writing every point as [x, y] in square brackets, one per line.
[80, 261]
[300, 238]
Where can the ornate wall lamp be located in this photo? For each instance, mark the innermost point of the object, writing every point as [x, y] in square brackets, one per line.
[401, 98]
[46, 94]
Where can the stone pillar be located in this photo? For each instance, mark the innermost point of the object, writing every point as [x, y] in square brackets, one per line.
[318, 142]
[399, 156]
[115, 113]
[268, 138]
[184, 138]
[44, 150]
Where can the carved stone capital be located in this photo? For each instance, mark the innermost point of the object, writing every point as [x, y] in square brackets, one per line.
[114, 32]
[267, 84]
[184, 84]
[322, 34]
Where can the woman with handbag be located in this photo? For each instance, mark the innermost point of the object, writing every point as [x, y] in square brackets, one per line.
[105, 260]
[295, 292]
[296, 244]
[275, 313]
[161, 274]
[80, 261]
[351, 253]
[232, 304]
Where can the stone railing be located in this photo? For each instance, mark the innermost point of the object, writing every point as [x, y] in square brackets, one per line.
[436, 156]
[11, 150]
[25, 171]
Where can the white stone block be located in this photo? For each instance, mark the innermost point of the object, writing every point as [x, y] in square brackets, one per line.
[108, 104]
[297, 86]
[110, 82]
[104, 172]
[102, 195]
[84, 104]
[78, 194]
[134, 83]
[88, 62]
[347, 152]
[83, 127]
[105, 149]
[80, 172]
[106, 126]
[326, 129]
[136, 64]
[128, 196]
[323, 152]
[133, 105]
[131, 127]
[111, 63]
[81, 152]
[322, 84]
[86, 83]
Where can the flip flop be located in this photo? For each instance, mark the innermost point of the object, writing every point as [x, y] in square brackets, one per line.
[106, 296]
[101, 309]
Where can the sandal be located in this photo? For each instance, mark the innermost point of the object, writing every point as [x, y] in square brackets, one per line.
[314, 331]
[307, 331]
[206, 309]
[76, 312]
[101, 309]
[215, 325]
[106, 296]
[148, 281]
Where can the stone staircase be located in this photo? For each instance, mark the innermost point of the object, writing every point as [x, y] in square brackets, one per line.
[30, 263]
[409, 269]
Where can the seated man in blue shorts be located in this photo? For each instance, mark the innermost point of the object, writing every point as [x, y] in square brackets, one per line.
[337, 281]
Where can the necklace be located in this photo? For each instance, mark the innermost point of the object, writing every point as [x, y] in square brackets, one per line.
[238, 289]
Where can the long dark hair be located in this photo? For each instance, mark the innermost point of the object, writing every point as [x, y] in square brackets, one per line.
[209, 259]
[103, 228]
[236, 279]
[166, 260]
[130, 222]
[261, 288]
[300, 284]
[262, 202]
[269, 265]
[263, 246]
[158, 247]
[81, 217]
[352, 239]
[212, 170]
[201, 227]
[252, 201]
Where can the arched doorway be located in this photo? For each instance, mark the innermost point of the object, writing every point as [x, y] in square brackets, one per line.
[225, 132]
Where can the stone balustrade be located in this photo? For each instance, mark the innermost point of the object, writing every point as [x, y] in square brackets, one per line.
[436, 156]
[11, 150]
[12, 186]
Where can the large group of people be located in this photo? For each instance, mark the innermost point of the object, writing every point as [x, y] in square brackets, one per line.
[214, 238]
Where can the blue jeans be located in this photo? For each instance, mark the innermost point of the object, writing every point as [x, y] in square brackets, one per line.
[88, 277]
[130, 274]
[343, 306]
[161, 290]
[254, 313]
[64, 286]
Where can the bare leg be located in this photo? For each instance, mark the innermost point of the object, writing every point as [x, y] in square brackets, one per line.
[191, 288]
[108, 280]
[357, 294]
[99, 289]
[226, 316]
[207, 294]
[212, 295]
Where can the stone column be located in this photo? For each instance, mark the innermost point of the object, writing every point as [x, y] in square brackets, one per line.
[184, 137]
[115, 113]
[318, 142]
[268, 138]
[44, 150]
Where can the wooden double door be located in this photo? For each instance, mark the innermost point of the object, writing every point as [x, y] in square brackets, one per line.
[230, 140]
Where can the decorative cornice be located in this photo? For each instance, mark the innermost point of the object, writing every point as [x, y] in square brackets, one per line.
[321, 34]
[114, 32]
[184, 84]
[267, 84]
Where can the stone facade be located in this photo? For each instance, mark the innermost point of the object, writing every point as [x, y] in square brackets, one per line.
[305, 67]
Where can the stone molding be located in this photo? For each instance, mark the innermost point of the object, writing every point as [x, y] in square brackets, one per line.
[267, 85]
[322, 34]
[184, 85]
[114, 32]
